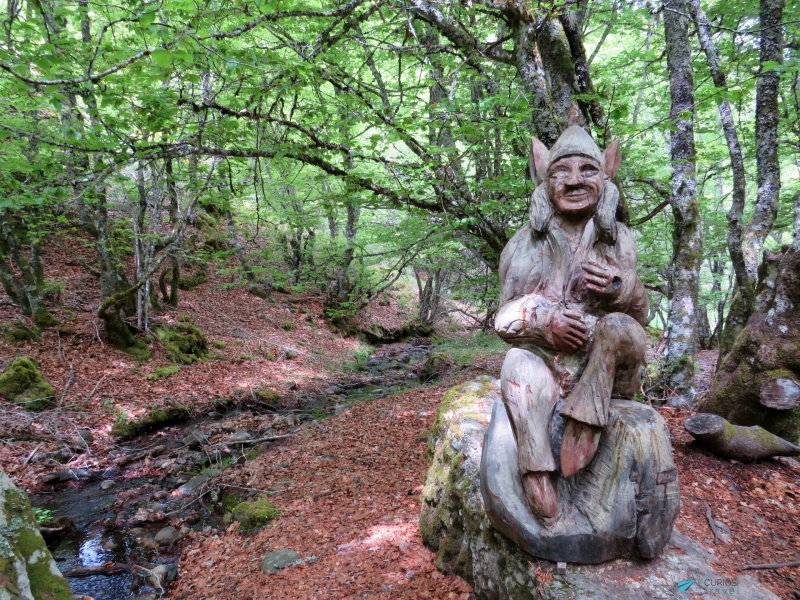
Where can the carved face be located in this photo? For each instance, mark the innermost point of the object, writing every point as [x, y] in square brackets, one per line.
[574, 184]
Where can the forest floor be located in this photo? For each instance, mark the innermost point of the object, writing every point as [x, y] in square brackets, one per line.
[347, 487]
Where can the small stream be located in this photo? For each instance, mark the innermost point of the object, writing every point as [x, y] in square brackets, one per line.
[123, 520]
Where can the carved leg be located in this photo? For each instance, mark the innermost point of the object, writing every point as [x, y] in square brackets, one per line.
[530, 394]
[613, 365]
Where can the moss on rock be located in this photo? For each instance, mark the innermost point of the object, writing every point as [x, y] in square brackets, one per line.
[22, 383]
[185, 343]
[268, 396]
[155, 419]
[255, 514]
[27, 569]
[18, 331]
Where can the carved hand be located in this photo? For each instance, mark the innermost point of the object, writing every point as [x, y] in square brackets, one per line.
[568, 330]
[604, 281]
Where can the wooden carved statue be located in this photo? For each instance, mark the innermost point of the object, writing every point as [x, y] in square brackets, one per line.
[572, 307]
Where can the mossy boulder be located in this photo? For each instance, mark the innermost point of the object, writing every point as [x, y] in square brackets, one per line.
[22, 383]
[254, 514]
[155, 419]
[18, 332]
[185, 343]
[268, 396]
[27, 569]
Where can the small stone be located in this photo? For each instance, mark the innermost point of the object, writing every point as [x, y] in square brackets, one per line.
[561, 567]
[167, 535]
[160, 495]
[191, 485]
[239, 436]
[292, 385]
[107, 484]
[149, 543]
[86, 435]
[108, 544]
[214, 414]
[275, 561]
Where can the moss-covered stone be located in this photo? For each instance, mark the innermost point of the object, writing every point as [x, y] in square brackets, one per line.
[27, 569]
[22, 383]
[43, 317]
[163, 372]
[255, 514]
[268, 396]
[18, 332]
[184, 343]
[155, 419]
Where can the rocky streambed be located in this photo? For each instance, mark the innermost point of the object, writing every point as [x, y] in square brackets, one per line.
[116, 533]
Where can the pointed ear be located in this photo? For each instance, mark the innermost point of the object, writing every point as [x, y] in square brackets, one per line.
[537, 163]
[611, 158]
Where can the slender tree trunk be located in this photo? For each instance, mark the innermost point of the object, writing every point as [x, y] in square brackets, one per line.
[767, 117]
[687, 237]
[744, 283]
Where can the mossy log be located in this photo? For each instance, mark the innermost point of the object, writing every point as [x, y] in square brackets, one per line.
[745, 444]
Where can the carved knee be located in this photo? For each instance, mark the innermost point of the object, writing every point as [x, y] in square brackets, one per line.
[624, 333]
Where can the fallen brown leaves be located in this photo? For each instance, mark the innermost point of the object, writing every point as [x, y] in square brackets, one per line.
[350, 508]
[759, 503]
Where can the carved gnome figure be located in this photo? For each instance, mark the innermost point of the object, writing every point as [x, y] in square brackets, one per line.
[572, 308]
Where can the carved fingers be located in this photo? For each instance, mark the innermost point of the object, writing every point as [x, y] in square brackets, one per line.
[568, 329]
[603, 280]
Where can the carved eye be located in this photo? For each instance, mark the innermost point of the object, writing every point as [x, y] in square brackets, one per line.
[589, 171]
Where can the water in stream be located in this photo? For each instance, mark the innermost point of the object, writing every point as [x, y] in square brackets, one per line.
[102, 530]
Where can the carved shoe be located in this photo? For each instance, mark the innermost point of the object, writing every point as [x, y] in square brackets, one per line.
[541, 490]
[578, 446]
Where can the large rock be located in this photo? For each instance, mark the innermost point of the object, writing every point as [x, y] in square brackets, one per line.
[454, 524]
[623, 503]
[27, 570]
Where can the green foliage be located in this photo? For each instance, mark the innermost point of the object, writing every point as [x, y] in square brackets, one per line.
[471, 347]
[22, 383]
[42, 515]
[287, 326]
[163, 372]
[218, 344]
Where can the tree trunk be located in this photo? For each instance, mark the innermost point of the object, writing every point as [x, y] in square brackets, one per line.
[767, 117]
[687, 237]
[764, 363]
[744, 283]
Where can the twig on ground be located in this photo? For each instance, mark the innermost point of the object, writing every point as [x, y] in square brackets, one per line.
[30, 456]
[108, 568]
[794, 563]
[259, 440]
[69, 385]
[94, 390]
[712, 524]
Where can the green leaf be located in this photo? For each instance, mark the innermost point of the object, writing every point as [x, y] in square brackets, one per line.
[162, 57]
[147, 19]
